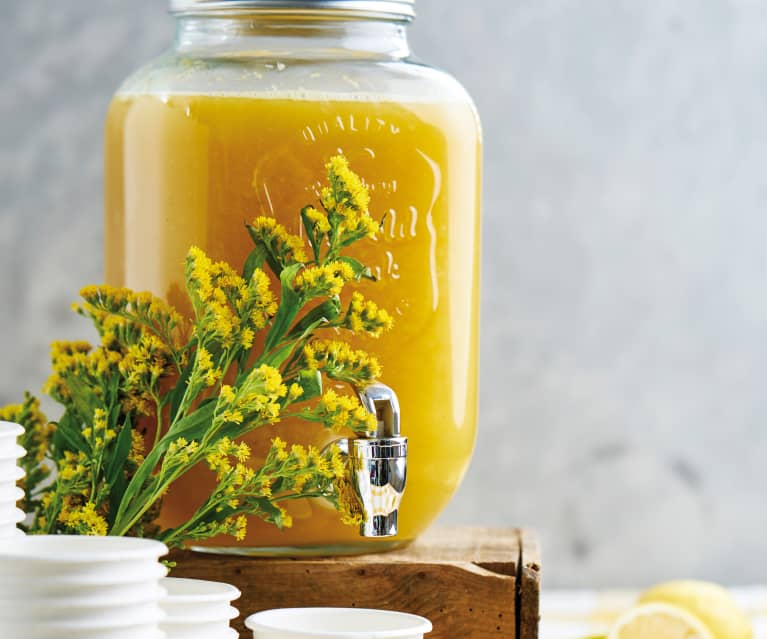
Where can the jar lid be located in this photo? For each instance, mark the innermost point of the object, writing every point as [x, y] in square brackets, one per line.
[384, 8]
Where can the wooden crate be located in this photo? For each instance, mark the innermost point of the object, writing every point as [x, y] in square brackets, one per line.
[472, 583]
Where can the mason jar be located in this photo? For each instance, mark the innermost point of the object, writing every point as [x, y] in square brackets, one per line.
[238, 120]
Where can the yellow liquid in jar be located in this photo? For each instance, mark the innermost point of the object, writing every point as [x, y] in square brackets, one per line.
[191, 169]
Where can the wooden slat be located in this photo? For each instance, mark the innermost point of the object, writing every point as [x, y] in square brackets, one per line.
[529, 585]
[465, 580]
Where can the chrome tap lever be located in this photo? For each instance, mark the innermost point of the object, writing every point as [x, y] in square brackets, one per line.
[381, 401]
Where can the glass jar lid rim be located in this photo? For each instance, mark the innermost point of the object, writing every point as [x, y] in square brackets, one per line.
[400, 8]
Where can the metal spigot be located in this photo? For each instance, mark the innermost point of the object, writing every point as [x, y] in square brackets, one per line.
[378, 463]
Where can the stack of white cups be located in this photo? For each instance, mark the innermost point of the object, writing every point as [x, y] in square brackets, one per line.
[196, 609]
[10, 473]
[66, 587]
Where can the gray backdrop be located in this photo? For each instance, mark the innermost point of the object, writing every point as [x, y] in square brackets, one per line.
[624, 351]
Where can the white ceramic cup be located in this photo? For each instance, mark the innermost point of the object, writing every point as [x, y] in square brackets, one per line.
[11, 476]
[75, 631]
[96, 607]
[8, 465]
[10, 432]
[11, 515]
[10, 531]
[198, 609]
[196, 600]
[87, 572]
[196, 633]
[336, 623]
[10, 493]
[78, 549]
[84, 557]
[9, 512]
[9, 449]
[83, 615]
[9, 522]
[210, 630]
[118, 586]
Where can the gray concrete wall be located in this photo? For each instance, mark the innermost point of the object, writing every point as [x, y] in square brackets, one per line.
[625, 301]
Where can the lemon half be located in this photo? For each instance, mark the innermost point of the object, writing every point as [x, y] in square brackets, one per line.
[710, 603]
[659, 621]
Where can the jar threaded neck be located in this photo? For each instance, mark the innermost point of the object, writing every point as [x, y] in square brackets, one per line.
[397, 9]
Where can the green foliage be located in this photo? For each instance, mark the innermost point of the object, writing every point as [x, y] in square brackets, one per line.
[160, 394]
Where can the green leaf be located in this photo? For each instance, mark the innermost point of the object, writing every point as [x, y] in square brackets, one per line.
[290, 304]
[193, 426]
[118, 455]
[271, 259]
[263, 507]
[309, 226]
[311, 382]
[116, 494]
[360, 270]
[177, 394]
[255, 260]
[68, 434]
[325, 312]
[279, 355]
[83, 398]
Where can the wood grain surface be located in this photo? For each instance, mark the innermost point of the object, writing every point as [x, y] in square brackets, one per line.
[470, 582]
[528, 605]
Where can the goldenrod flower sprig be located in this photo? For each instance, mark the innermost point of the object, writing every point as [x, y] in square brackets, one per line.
[345, 218]
[37, 439]
[294, 472]
[159, 395]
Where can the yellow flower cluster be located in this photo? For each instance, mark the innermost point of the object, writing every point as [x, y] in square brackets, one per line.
[122, 315]
[99, 434]
[38, 431]
[180, 452]
[83, 520]
[205, 369]
[137, 449]
[227, 306]
[340, 361]
[140, 338]
[284, 247]
[318, 219]
[339, 412]
[347, 189]
[258, 397]
[241, 489]
[300, 466]
[325, 280]
[219, 458]
[142, 366]
[70, 490]
[72, 467]
[78, 359]
[145, 362]
[237, 527]
[347, 503]
[365, 315]
[349, 200]
[309, 472]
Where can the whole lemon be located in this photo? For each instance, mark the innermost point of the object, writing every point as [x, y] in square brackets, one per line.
[710, 603]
